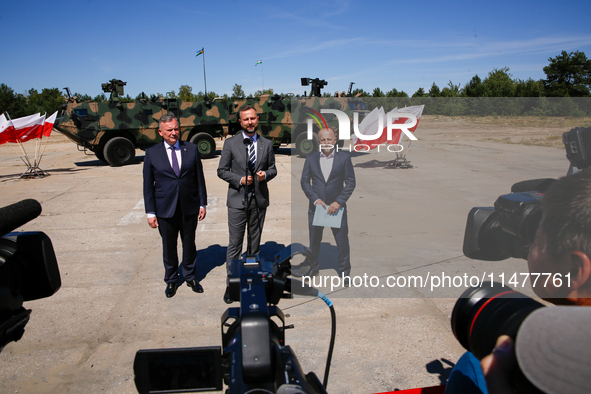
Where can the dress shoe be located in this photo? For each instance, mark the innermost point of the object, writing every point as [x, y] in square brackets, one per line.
[227, 298]
[193, 284]
[171, 289]
[347, 282]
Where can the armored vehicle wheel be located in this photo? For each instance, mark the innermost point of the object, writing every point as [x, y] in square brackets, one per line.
[304, 146]
[100, 155]
[205, 145]
[119, 151]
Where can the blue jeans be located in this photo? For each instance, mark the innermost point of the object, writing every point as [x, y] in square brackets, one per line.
[466, 377]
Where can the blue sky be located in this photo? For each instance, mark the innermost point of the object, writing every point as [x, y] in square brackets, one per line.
[388, 44]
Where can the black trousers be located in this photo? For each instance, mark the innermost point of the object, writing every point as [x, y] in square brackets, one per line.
[169, 231]
[341, 236]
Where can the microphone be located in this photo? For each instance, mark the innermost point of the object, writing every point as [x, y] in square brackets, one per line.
[15, 215]
[247, 141]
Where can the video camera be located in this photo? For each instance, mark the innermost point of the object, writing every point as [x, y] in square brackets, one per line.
[28, 268]
[509, 228]
[484, 313]
[255, 358]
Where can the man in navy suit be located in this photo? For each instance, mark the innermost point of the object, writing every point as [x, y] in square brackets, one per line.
[328, 180]
[175, 198]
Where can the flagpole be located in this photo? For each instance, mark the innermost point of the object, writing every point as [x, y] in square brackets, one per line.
[28, 163]
[44, 146]
[262, 77]
[204, 78]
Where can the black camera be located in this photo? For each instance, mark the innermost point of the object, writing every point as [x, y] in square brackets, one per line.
[484, 313]
[509, 228]
[28, 268]
[577, 143]
[253, 357]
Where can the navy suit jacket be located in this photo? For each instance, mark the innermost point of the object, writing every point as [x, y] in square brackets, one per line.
[163, 189]
[232, 168]
[340, 183]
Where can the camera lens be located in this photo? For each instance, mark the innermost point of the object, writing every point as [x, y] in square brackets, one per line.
[482, 314]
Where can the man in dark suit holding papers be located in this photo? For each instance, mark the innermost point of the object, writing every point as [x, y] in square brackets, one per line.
[328, 180]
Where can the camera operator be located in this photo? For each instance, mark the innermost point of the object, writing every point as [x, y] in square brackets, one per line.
[562, 246]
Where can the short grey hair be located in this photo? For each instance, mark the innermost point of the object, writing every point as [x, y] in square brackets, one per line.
[167, 117]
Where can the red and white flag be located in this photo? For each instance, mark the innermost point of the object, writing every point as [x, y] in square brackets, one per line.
[48, 126]
[29, 127]
[6, 130]
[396, 116]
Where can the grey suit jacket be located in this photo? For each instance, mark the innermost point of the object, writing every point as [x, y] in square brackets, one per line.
[340, 183]
[232, 168]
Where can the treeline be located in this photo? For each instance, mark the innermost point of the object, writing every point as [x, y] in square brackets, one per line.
[567, 75]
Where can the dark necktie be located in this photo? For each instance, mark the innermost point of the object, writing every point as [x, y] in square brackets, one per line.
[252, 158]
[175, 162]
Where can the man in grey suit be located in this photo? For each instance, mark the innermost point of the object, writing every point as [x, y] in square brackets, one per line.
[328, 179]
[246, 187]
[175, 198]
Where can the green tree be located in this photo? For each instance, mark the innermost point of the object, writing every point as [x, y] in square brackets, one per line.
[396, 93]
[498, 83]
[451, 90]
[48, 101]
[83, 97]
[11, 102]
[237, 92]
[475, 88]
[377, 92]
[529, 88]
[259, 93]
[185, 93]
[126, 99]
[363, 93]
[568, 74]
[420, 93]
[434, 91]
[100, 98]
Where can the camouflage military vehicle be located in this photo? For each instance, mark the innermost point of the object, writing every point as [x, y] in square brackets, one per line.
[114, 130]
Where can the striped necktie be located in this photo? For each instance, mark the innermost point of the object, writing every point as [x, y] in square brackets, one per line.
[252, 158]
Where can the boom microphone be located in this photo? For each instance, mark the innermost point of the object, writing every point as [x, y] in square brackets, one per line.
[15, 215]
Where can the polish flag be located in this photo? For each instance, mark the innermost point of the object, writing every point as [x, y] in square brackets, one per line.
[397, 117]
[48, 126]
[28, 129]
[6, 130]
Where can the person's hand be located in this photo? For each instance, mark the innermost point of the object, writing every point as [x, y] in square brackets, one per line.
[319, 201]
[153, 222]
[202, 213]
[261, 175]
[246, 180]
[499, 365]
[333, 208]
